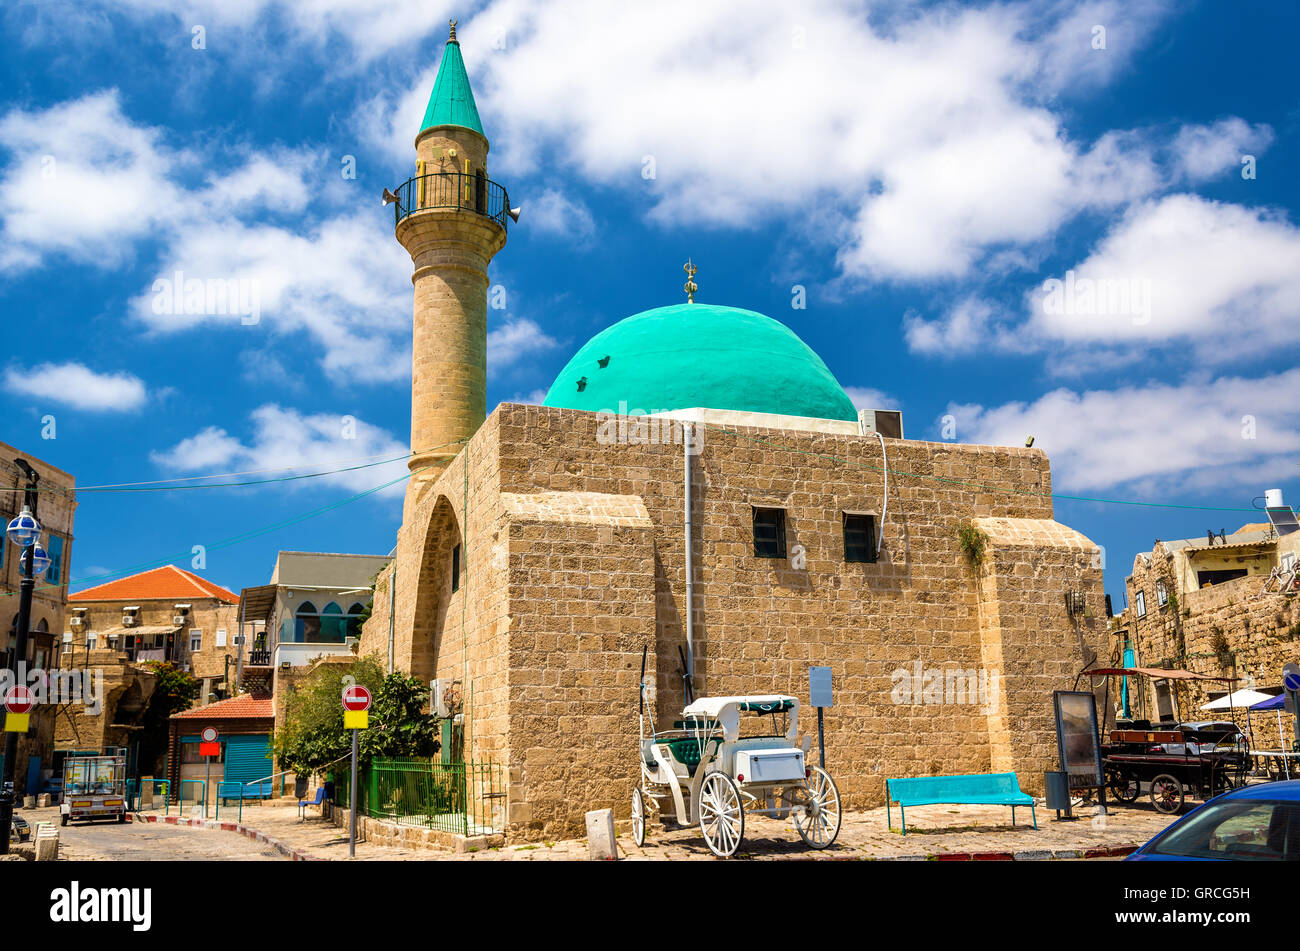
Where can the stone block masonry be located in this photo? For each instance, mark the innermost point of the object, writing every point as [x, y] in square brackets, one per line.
[533, 570]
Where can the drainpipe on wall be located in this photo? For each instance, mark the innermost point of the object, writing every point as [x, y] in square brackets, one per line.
[239, 663]
[687, 434]
[392, 601]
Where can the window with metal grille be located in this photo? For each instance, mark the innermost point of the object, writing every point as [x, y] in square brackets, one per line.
[455, 568]
[859, 537]
[769, 533]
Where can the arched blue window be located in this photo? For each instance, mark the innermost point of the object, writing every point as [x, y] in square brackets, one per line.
[306, 623]
[333, 625]
[354, 619]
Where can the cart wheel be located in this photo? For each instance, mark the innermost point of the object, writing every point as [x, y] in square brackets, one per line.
[638, 817]
[819, 823]
[722, 820]
[1125, 788]
[1166, 794]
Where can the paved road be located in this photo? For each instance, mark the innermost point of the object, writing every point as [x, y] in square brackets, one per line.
[149, 841]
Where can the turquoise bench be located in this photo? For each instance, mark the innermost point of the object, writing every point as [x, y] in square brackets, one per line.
[980, 789]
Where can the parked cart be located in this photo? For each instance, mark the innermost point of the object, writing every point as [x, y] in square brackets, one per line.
[703, 771]
[1173, 758]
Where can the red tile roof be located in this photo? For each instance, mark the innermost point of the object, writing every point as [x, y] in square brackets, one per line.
[242, 707]
[165, 582]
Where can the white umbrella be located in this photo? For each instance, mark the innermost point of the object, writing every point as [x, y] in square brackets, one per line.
[1244, 697]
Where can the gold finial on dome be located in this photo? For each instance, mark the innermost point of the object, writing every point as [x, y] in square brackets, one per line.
[452, 38]
[690, 287]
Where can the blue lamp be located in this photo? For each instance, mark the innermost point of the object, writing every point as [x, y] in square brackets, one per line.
[23, 529]
[40, 562]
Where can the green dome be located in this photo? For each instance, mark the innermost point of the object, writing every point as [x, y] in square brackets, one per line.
[706, 355]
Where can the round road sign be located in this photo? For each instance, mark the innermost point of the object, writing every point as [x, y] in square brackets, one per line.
[19, 699]
[356, 697]
[1291, 677]
[209, 734]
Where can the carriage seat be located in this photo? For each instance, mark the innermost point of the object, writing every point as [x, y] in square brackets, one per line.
[686, 750]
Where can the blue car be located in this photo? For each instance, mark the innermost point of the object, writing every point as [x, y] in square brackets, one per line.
[1252, 824]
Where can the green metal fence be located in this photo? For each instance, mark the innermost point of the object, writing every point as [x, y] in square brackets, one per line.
[461, 798]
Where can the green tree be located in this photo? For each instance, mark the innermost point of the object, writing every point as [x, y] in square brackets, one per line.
[175, 691]
[313, 735]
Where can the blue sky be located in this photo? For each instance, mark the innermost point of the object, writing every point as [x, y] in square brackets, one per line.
[922, 170]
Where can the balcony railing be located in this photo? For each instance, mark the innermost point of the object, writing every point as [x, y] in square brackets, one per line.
[474, 193]
[259, 658]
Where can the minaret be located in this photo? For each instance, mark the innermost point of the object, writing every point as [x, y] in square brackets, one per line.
[451, 219]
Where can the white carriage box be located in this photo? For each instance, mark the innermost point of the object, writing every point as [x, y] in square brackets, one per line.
[769, 766]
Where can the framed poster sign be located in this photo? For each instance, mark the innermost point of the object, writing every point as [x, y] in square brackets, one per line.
[1077, 739]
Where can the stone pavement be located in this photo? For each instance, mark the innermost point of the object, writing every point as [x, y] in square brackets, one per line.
[938, 832]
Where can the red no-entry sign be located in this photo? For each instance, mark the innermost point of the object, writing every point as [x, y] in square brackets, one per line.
[19, 699]
[356, 697]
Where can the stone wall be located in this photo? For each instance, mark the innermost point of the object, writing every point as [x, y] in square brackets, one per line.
[547, 646]
[1230, 629]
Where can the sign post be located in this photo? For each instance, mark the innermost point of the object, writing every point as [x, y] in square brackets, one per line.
[1291, 680]
[820, 696]
[208, 748]
[356, 716]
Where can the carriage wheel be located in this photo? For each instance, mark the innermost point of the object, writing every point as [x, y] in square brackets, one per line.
[638, 817]
[819, 823]
[1125, 787]
[1166, 794]
[722, 820]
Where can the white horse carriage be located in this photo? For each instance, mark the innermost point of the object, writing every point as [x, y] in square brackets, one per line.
[704, 771]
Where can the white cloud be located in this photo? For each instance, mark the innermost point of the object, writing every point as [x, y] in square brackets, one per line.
[1206, 151]
[284, 438]
[969, 325]
[370, 27]
[1221, 277]
[340, 279]
[866, 397]
[516, 338]
[1224, 434]
[931, 130]
[553, 212]
[83, 181]
[78, 386]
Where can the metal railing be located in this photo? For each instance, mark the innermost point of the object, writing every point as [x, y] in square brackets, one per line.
[259, 658]
[474, 193]
[461, 798]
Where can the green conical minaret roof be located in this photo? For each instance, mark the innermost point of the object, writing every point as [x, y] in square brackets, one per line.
[452, 102]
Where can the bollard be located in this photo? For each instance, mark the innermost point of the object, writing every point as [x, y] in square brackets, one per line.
[600, 835]
[47, 842]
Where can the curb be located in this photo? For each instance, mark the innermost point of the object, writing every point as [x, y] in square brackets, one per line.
[1027, 855]
[296, 855]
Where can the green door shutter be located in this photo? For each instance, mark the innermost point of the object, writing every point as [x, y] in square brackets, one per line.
[248, 758]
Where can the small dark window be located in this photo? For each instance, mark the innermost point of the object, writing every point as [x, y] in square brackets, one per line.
[455, 568]
[859, 537]
[769, 533]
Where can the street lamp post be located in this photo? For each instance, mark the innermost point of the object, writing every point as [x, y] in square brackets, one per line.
[24, 531]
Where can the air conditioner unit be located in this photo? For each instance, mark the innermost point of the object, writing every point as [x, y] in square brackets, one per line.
[128, 620]
[178, 619]
[887, 422]
[77, 621]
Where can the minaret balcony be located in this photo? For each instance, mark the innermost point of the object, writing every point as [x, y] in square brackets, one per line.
[451, 191]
